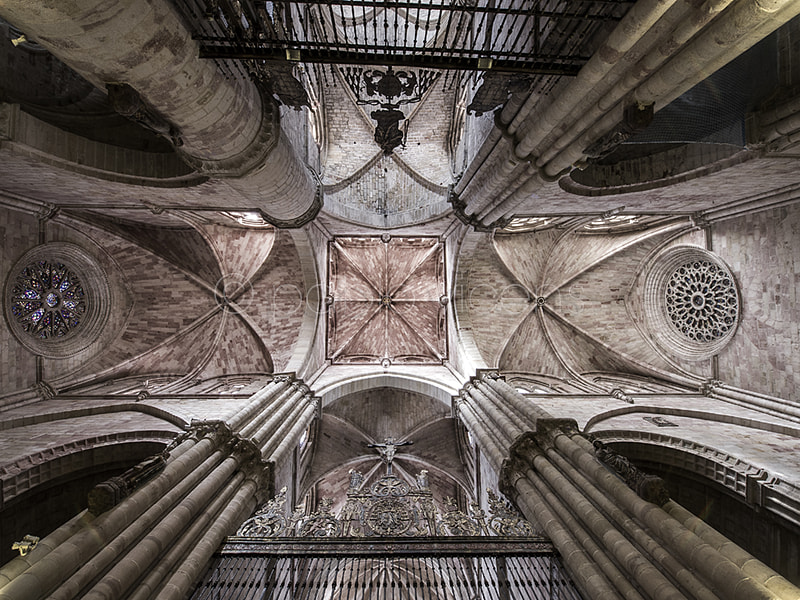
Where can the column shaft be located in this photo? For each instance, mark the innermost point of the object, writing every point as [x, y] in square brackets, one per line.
[157, 541]
[291, 439]
[137, 562]
[679, 572]
[583, 569]
[270, 419]
[49, 572]
[117, 547]
[751, 566]
[227, 126]
[710, 564]
[485, 439]
[237, 510]
[256, 403]
[155, 575]
[616, 545]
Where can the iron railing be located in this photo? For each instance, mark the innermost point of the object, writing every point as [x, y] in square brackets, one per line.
[467, 568]
[528, 36]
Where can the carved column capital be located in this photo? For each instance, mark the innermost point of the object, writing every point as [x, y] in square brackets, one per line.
[216, 429]
[459, 207]
[491, 375]
[255, 468]
[512, 471]
[548, 429]
[648, 487]
[526, 447]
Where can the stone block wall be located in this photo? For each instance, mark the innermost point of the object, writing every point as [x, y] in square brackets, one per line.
[762, 251]
[18, 233]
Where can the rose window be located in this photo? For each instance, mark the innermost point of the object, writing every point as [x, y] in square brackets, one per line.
[47, 300]
[57, 301]
[701, 301]
[691, 303]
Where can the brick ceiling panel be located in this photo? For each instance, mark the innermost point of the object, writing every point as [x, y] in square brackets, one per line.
[237, 350]
[405, 344]
[528, 349]
[388, 412]
[366, 256]
[275, 302]
[241, 251]
[428, 320]
[368, 345]
[346, 319]
[425, 282]
[526, 255]
[584, 353]
[576, 253]
[349, 281]
[409, 256]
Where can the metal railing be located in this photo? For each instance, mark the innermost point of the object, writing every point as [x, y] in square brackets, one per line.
[454, 568]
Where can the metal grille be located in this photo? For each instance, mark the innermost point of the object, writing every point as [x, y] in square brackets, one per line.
[533, 36]
[436, 570]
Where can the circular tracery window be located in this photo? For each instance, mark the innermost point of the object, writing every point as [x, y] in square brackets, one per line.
[701, 301]
[56, 299]
[48, 300]
[691, 302]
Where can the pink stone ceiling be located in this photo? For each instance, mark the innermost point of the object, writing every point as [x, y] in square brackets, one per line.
[384, 300]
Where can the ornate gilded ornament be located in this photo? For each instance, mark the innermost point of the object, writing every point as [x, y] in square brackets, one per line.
[457, 522]
[28, 543]
[389, 517]
[504, 520]
[322, 522]
[269, 520]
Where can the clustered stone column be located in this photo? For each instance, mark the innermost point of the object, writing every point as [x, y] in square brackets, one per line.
[158, 539]
[658, 50]
[616, 528]
[142, 52]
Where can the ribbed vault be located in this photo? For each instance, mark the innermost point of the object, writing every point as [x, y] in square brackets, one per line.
[559, 301]
[356, 420]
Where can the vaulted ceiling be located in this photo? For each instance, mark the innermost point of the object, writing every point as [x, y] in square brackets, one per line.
[563, 301]
[386, 301]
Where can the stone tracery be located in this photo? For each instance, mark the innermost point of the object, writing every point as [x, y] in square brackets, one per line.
[691, 302]
[48, 299]
[701, 300]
